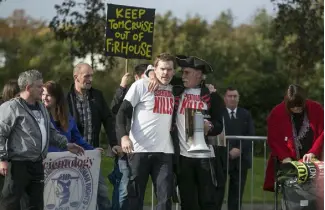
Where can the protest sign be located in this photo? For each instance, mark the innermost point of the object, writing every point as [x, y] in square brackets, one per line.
[129, 31]
[71, 181]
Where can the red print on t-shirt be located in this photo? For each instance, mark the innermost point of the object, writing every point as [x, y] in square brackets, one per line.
[191, 101]
[164, 102]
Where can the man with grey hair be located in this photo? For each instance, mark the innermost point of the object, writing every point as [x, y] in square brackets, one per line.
[90, 111]
[25, 134]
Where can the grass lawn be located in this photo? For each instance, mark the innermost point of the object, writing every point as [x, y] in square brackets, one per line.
[257, 181]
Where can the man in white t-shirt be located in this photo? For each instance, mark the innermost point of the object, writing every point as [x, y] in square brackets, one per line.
[196, 174]
[149, 145]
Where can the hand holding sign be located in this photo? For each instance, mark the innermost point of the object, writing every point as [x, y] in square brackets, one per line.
[75, 149]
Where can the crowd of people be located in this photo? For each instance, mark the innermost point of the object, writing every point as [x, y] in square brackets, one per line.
[146, 127]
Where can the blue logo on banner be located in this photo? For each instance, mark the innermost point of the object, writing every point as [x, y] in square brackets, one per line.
[68, 184]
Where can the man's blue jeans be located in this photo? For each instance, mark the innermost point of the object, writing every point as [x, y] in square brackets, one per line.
[120, 179]
[103, 202]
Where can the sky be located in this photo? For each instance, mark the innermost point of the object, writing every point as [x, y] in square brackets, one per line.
[243, 10]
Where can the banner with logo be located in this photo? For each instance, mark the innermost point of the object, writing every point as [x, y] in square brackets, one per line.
[129, 31]
[71, 181]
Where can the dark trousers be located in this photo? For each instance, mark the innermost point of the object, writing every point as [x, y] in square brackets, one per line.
[195, 182]
[23, 176]
[234, 196]
[160, 167]
[221, 171]
[2, 180]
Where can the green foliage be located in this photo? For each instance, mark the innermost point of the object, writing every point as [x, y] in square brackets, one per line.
[25, 53]
[298, 30]
[84, 31]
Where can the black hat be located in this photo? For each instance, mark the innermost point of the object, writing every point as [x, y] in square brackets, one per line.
[193, 62]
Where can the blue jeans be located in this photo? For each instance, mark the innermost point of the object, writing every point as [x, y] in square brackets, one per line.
[120, 179]
[103, 202]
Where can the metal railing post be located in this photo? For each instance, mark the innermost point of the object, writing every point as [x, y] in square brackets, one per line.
[252, 174]
[152, 197]
[252, 139]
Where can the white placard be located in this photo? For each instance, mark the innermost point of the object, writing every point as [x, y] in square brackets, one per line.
[71, 181]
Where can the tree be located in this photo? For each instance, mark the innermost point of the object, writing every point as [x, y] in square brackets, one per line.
[18, 23]
[24, 52]
[298, 32]
[85, 32]
[166, 26]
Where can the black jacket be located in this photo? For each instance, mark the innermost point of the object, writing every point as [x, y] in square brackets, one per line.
[243, 125]
[101, 114]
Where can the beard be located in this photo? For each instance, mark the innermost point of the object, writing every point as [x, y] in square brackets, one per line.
[86, 86]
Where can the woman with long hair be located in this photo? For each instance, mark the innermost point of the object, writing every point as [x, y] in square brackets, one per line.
[295, 131]
[10, 90]
[54, 100]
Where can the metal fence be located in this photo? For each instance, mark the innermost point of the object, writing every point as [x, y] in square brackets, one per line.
[253, 139]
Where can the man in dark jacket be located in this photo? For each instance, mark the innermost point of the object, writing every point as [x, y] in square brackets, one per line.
[88, 107]
[120, 175]
[238, 122]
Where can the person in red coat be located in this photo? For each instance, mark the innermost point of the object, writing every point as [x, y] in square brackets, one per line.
[295, 131]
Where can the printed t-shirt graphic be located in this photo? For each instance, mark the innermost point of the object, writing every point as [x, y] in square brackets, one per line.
[190, 99]
[152, 117]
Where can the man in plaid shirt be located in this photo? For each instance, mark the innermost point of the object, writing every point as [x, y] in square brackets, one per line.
[88, 107]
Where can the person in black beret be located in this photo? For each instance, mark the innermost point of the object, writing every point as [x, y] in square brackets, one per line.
[197, 177]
